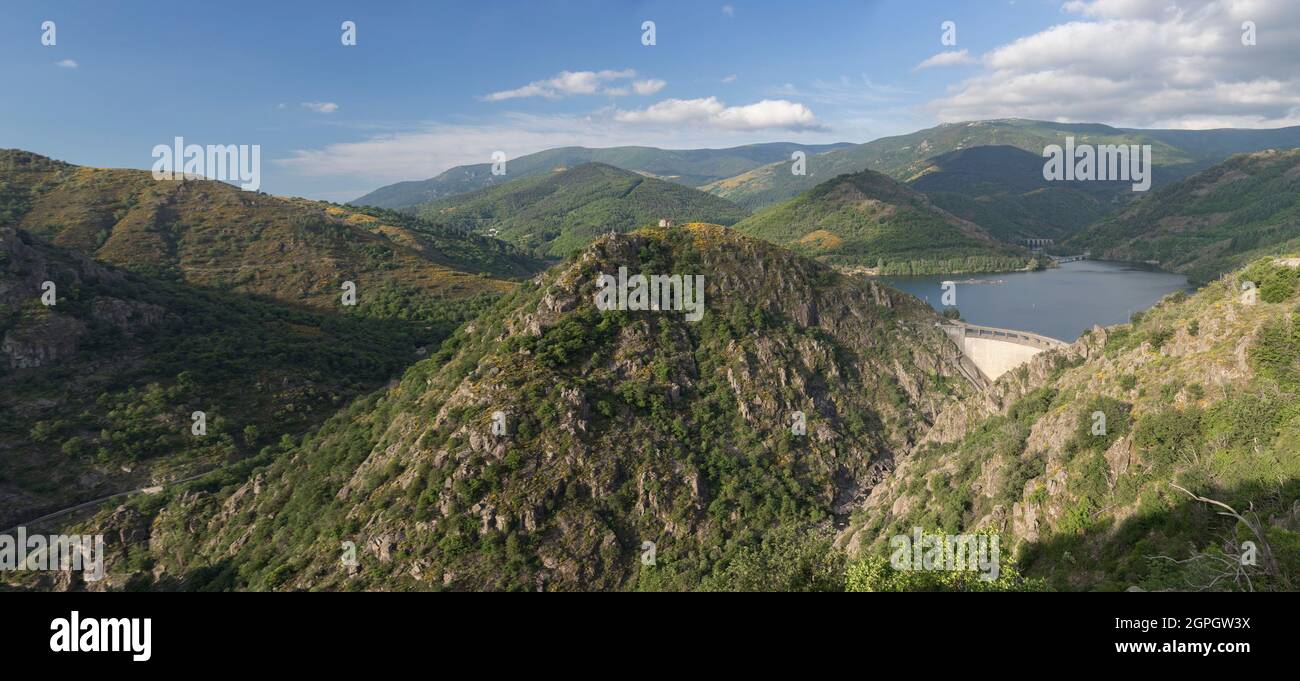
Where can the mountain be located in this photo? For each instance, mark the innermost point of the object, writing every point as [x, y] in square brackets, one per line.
[691, 167]
[1210, 223]
[1176, 153]
[866, 220]
[555, 213]
[1077, 459]
[212, 234]
[97, 390]
[1001, 188]
[620, 428]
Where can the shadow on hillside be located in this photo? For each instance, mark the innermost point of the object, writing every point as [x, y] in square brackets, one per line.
[1135, 552]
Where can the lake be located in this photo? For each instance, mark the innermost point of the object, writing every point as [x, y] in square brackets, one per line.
[1061, 303]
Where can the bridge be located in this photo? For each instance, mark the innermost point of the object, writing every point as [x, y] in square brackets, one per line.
[1058, 259]
[993, 351]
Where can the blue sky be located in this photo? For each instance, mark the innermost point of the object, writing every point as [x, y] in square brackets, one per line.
[416, 94]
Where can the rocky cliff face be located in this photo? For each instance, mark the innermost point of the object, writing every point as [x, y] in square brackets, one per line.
[555, 446]
[36, 334]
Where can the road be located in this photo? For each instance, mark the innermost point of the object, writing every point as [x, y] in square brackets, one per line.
[152, 489]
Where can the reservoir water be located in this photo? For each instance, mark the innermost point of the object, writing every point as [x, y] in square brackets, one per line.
[1062, 302]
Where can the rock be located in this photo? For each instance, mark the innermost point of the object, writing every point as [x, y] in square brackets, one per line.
[41, 341]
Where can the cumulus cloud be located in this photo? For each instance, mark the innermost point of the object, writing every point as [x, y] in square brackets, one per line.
[568, 83]
[67, 63]
[953, 58]
[710, 112]
[321, 107]
[1166, 63]
[649, 86]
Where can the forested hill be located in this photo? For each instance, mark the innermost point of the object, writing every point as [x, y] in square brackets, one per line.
[867, 221]
[554, 214]
[691, 167]
[1210, 223]
[213, 234]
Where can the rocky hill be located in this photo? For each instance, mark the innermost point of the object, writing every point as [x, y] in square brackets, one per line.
[611, 430]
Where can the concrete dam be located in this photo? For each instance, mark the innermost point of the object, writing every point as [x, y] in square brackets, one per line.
[994, 351]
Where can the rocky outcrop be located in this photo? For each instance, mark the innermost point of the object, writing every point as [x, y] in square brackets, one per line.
[42, 340]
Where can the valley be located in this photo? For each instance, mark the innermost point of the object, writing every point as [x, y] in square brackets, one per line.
[479, 420]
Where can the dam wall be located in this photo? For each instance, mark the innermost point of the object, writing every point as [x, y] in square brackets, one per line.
[996, 351]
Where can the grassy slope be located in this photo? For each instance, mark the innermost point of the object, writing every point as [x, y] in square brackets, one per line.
[214, 235]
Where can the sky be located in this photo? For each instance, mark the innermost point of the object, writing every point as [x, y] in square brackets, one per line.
[430, 85]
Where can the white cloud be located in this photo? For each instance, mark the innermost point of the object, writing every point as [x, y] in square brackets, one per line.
[953, 58]
[568, 83]
[423, 151]
[730, 78]
[321, 107]
[649, 86]
[1166, 63]
[67, 63]
[710, 112]
[729, 10]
